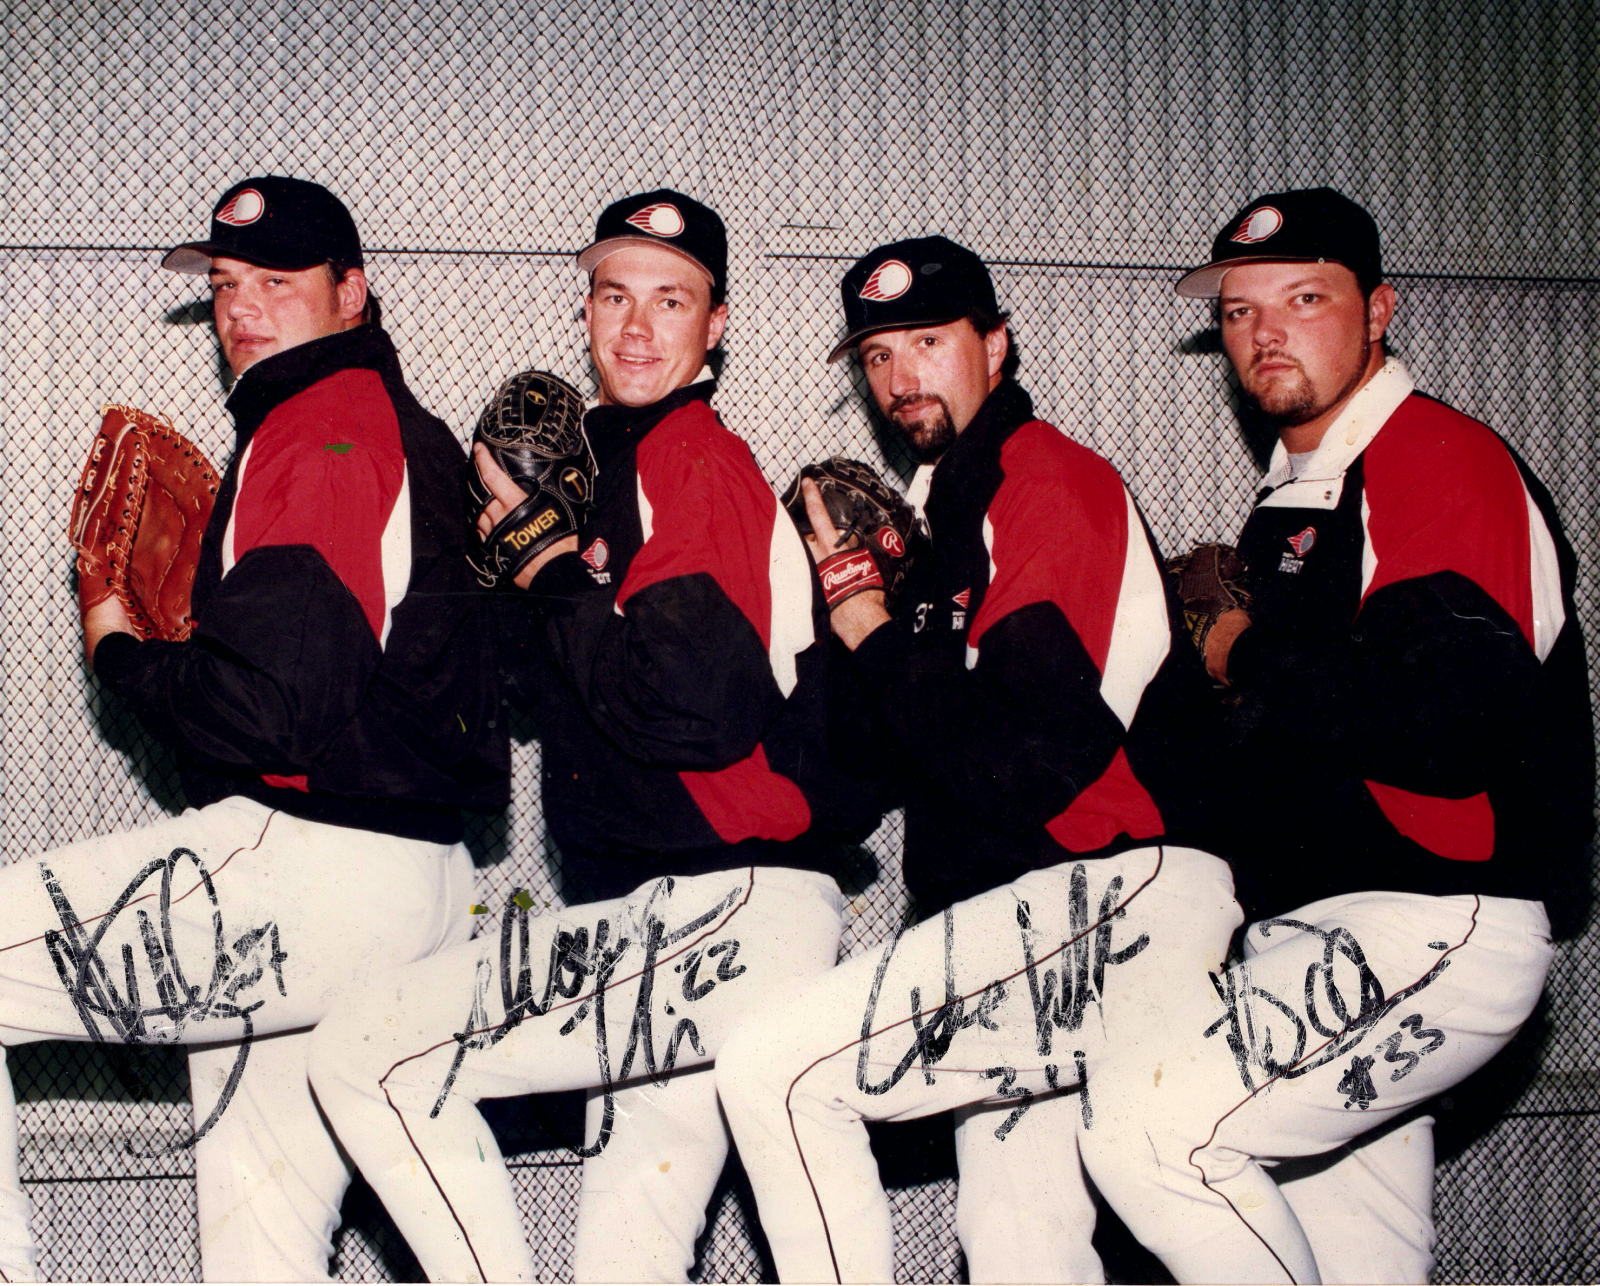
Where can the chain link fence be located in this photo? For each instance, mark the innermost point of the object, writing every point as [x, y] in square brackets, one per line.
[1087, 151]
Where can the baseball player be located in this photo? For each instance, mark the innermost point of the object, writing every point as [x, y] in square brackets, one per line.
[1413, 720]
[334, 710]
[670, 652]
[1029, 678]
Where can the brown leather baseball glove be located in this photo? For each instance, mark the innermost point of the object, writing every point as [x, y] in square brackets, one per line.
[142, 505]
[1210, 581]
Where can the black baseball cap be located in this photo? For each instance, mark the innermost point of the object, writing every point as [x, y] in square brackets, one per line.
[1308, 225]
[276, 222]
[663, 218]
[925, 281]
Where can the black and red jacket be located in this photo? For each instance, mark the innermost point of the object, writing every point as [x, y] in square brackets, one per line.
[1414, 708]
[1029, 675]
[342, 668]
[672, 665]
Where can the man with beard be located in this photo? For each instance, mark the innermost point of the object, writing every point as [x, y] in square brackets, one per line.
[1412, 716]
[1030, 683]
[672, 657]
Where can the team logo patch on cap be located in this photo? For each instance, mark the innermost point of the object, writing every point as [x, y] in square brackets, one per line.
[1303, 542]
[889, 280]
[597, 555]
[659, 220]
[246, 207]
[1258, 225]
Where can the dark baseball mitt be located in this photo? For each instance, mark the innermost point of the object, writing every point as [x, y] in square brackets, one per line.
[1210, 582]
[879, 534]
[533, 429]
[141, 508]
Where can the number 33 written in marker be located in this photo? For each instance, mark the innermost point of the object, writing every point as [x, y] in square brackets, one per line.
[1392, 1053]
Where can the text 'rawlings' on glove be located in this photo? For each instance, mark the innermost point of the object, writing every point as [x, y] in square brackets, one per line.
[879, 534]
[533, 429]
[1209, 579]
[141, 508]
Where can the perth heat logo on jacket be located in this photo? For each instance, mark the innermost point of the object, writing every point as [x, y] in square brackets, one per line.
[1258, 225]
[889, 280]
[246, 207]
[659, 220]
[1303, 542]
[597, 555]
[958, 619]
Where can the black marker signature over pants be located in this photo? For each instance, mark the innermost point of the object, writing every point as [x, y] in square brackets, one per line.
[1346, 1014]
[1004, 999]
[614, 997]
[229, 929]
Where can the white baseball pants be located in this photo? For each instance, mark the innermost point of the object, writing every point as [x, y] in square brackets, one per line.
[608, 997]
[225, 922]
[1003, 998]
[1346, 1014]
[1367, 1207]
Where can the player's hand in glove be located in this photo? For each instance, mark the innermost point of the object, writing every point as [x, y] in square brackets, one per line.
[508, 497]
[1216, 606]
[530, 480]
[862, 535]
[876, 533]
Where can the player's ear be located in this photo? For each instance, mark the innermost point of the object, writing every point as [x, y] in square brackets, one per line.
[718, 323]
[996, 344]
[1380, 311]
[350, 295]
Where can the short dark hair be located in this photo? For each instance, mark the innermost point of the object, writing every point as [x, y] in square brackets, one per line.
[988, 320]
[372, 314]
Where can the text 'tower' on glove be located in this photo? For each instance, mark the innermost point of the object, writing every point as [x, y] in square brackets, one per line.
[533, 429]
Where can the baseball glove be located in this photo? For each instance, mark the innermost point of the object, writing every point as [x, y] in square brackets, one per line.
[533, 429]
[879, 534]
[141, 508]
[1209, 580]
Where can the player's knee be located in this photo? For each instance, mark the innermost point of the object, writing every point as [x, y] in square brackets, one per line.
[342, 1053]
[750, 1068]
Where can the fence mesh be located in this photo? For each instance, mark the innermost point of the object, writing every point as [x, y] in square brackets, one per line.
[1087, 151]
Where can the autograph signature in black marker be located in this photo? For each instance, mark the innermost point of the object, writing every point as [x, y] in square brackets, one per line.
[1344, 1021]
[1059, 997]
[126, 1016]
[577, 960]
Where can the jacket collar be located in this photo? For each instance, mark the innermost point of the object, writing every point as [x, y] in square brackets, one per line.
[1349, 435]
[612, 429]
[1007, 408]
[274, 380]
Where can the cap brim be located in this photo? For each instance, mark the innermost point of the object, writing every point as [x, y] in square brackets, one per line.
[1206, 282]
[590, 256]
[192, 256]
[196, 257]
[843, 347]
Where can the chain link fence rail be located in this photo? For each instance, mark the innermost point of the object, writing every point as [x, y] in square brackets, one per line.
[1088, 151]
